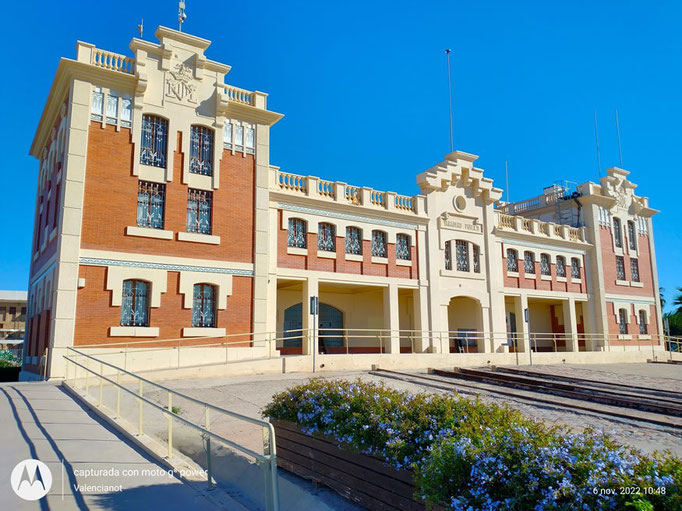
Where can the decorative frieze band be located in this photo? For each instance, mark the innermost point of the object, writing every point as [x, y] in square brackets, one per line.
[162, 266]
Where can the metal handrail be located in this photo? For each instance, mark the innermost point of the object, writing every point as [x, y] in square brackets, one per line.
[267, 461]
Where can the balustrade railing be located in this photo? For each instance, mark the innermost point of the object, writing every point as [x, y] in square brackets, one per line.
[326, 189]
[404, 203]
[353, 194]
[113, 61]
[377, 198]
[292, 182]
[238, 95]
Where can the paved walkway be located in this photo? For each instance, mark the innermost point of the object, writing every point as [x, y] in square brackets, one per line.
[41, 421]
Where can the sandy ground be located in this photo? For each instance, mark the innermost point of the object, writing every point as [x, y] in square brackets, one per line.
[248, 396]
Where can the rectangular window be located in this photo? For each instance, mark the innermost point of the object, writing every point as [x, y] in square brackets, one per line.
[199, 211]
[97, 107]
[643, 327]
[617, 234]
[632, 236]
[622, 321]
[150, 204]
[402, 247]
[23, 311]
[12, 311]
[512, 260]
[239, 136]
[448, 255]
[326, 237]
[296, 235]
[57, 196]
[462, 255]
[154, 141]
[529, 262]
[203, 306]
[227, 136]
[134, 304]
[249, 142]
[477, 259]
[353, 240]
[560, 266]
[112, 107]
[575, 268]
[620, 268]
[378, 244]
[126, 111]
[545, 266]
[634, 270]
[201, 151]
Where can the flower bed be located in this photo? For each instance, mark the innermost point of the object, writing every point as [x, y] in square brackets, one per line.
[470, 455]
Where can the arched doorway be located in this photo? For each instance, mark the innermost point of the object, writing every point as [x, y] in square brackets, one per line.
[330, 324]
[465, 325]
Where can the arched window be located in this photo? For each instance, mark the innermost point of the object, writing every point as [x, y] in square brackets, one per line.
[379, 244]
[529, 262]
[448, 255]
[617, 232]
[643, 327]
[575, 268]
[462, 255]
[623, 321]
[512, 260]
[135, 303]
[326, 237]
[201, 150]
[402, 247]
[203, 306]
[154, 141]
[296, 235]
[545, 264]
[560, 266]
[353, 240]
[477, 258]
[632, 236]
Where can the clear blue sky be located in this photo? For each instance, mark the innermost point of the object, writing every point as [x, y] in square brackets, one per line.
[363, 87]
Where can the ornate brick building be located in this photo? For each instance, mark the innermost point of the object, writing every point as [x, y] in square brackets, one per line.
[159, 217]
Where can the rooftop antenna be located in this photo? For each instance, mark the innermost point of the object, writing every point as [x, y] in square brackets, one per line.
[181, 14]
[140, 27]
[506, 177]
[620, 149]
[447, 52]
[596, 138]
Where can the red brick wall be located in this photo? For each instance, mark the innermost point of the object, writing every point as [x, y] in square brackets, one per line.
[633, 326]
[609, 262]
[110, 203]
[536, 281]
[95, 313]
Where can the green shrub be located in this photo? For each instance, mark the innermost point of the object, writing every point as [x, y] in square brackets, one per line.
[472, 455]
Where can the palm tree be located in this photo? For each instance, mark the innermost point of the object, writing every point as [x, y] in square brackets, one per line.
[677, 302]
[661, 290]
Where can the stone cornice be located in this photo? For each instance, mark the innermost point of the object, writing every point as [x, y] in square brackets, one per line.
[182, 37]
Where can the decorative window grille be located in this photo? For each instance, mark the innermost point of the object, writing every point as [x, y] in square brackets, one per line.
[634, 269]
[154, 141]
[109, 106]
[379, 244]
[622, 321]
[448, 255]
[353, 240]
[201, 151]
[528, 262]
[227, 135]
[545, 268]
[402, 247]
[326, 237]
[620, 268]
[97, 106]
[135, 303]
[112, 107]
[199, 206]
[560, 266]
[575, 268]
[150, 203]
[462, 255]
[296, 235]
[249, 142]
[126, 111]
[477, 259]
[239, 136]
[617, 234]
[643, 327]
[632, 236]
[512, 260]
[203, 306]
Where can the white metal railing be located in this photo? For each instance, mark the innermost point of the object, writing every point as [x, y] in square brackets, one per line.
[266, 461]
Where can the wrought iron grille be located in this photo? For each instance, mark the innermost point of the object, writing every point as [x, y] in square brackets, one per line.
[462, 255]
[378, 244]
[326, 237]
[643, 327]
[134, 303]
[528, 262]
[448, 255]
[620, 268]
[575, 268]
[617, 235]
[632, 237]
[199, 206]
[622, 321]
[296, 235]
[201, 151]
[154, 141]
[477, 259]
[402, 247]
[203, 306]
[560, 266]
[353, 240]
[634, 269]
[150, 203]
[512, 260]
[545, 268]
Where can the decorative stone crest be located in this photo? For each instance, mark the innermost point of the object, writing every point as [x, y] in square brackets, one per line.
[178, 84]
